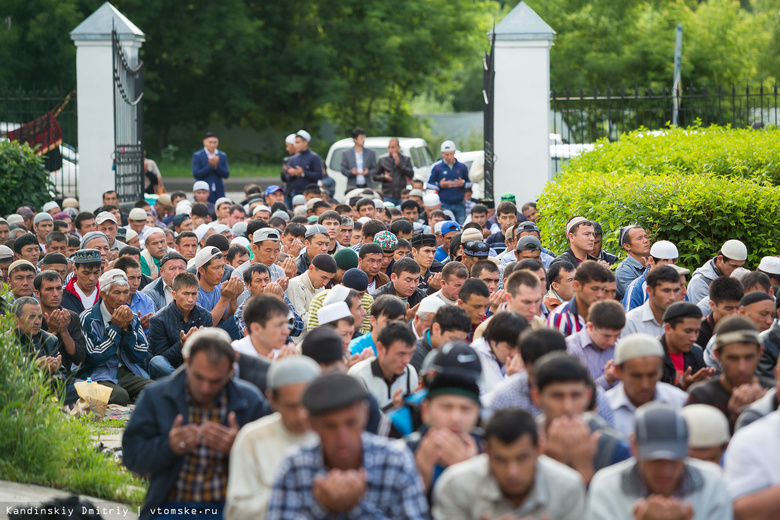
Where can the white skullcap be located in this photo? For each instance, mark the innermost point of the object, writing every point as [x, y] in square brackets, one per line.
[333, 312]
[201, 231]
[290, 139]
[770, 265]
[664, 250]
[200, 185]
[50, 206]
[707, 426]
[379, 204]
[130, 234]
[430, 304]
[735, 250]
[151, 231]
[637, 345]
[430, 200]
[292, 370]
[337, 294]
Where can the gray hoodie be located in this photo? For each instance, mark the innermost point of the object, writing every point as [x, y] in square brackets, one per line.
[699, 286]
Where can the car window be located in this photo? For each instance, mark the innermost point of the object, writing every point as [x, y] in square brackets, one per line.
[421, 156]
[335, 160]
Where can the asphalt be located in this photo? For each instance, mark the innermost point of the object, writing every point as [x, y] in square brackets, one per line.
[234, 187]
[14, 496]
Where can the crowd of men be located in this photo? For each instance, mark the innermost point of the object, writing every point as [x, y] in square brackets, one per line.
[403, 354]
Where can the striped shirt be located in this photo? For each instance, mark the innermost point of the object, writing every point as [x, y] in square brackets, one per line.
[566, 319]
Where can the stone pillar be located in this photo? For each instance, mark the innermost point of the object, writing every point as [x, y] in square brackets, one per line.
[95, 91]
[522, 104]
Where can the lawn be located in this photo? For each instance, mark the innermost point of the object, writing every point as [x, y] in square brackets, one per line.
[182, 168]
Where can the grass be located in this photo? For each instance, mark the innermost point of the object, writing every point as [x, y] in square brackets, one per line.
[39, 444]
[183, 168]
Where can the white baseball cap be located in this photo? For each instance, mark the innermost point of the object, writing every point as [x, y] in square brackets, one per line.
[105, 216]
[205, 255]
[448, 146]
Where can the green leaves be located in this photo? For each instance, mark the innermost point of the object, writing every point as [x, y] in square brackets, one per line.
[23, 177]
[683, 186]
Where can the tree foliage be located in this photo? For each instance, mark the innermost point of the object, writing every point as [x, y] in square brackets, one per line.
[23, 177]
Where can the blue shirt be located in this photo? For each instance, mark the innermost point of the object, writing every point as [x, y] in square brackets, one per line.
[636, 293]
[442, 171]
[141, 303]
[358, 345]
[208, 300]
[441, 254]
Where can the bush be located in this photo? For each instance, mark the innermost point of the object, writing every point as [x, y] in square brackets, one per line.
[23, 177]
[721, 151]
[697, 212]
[39, 444]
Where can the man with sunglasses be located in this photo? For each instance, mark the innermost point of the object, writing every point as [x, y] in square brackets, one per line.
[731, 256]
[661, 253]
[636, 243]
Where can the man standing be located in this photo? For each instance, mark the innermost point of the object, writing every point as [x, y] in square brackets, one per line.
[211, 165]
[181, 431]
[303, 168]
[661, 481]
[357, 162]
[635, 241]
[732, 256]
[663, 289]
[354, 474]
[512, 479]
[450, 178]
[170, 328]
[260, 446]
[394, 171]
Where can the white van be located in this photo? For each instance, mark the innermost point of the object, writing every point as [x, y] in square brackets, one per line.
[413, 147]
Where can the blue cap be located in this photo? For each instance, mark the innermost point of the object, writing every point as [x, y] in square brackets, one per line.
[272, 189]
[449, 226]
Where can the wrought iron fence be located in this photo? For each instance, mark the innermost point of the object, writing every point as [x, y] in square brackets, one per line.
[580, 118]
[22, 107]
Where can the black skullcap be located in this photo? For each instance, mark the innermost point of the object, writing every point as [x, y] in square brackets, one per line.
[219, 241]
[355, 279]
[476, 248]
[325, 263]
[173, 255]
[754, 297]
[682, 310]
[423, 240]
[54, 258]
[333, 392]
[323, 345]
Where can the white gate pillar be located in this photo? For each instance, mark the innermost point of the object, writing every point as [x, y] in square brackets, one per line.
[95, 95]
[522, 104]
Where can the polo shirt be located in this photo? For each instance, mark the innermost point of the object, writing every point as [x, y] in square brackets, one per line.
[370, 374]
[623, 409]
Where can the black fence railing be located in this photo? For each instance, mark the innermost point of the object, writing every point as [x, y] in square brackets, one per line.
[580, 118]
[23, 107]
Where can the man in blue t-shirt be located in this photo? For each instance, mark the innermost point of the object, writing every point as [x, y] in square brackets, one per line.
[220, 299]
[450, 178]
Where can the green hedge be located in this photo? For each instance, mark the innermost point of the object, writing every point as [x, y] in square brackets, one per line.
[721, 151]
[23, 177]
[697, 212]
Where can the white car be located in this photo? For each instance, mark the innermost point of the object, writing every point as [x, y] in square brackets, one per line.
[413, 147]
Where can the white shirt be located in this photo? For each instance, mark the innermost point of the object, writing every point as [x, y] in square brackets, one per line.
[360, 179]
[493, 372]
[753, 457]
[370, 375]
[642, 319]
[87, 300]
[210, 155]
[244, 346]
[623, 409]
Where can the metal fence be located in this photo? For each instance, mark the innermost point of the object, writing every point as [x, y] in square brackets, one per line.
[128, 125]
[19, 107]
[580, 118]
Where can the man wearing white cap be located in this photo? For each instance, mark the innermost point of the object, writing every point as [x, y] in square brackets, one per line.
[662, 252]
[708, 432]
[260, 446]
[394, 170]
[211, 166]
[731, 256]
[639, 361]
[52, 208]
[450, 178]
[770, 266]
[116, 343]
[201, 194]
[303, 168]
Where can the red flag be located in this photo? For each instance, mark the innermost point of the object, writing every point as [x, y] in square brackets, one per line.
[43, 132]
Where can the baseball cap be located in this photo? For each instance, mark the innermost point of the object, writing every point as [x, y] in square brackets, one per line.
[303, 134]
[200, 185]
[315, 229]
[448, 146]
[273, 188]
[449, 226]
[205, 255]
[268, 233]
[528, 243]
[137, 214]
[707, 426]
[476, 249]
[525, 227]
[770, 265]
[105, 216]
[660, 432]
[455, 358]
[110, 277]
[664, 250]
[735, 250]
[292, 370]
[637, 345]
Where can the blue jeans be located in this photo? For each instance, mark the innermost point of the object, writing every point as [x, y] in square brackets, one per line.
[458, 209]
[160, 367]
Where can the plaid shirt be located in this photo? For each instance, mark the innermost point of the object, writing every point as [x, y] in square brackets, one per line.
[566, 319]
[204, 474]
[394, 488]
[297, 328]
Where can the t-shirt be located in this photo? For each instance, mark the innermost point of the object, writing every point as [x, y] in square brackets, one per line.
[208, 300]
[712, 392]
[679, 368]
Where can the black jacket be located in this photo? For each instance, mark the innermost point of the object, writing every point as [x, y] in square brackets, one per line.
[74, 329]
[388, 288]
[770, 339]
[569, 256]
[401, 174]
[164, 329]
[145, 441]
[694, 359]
